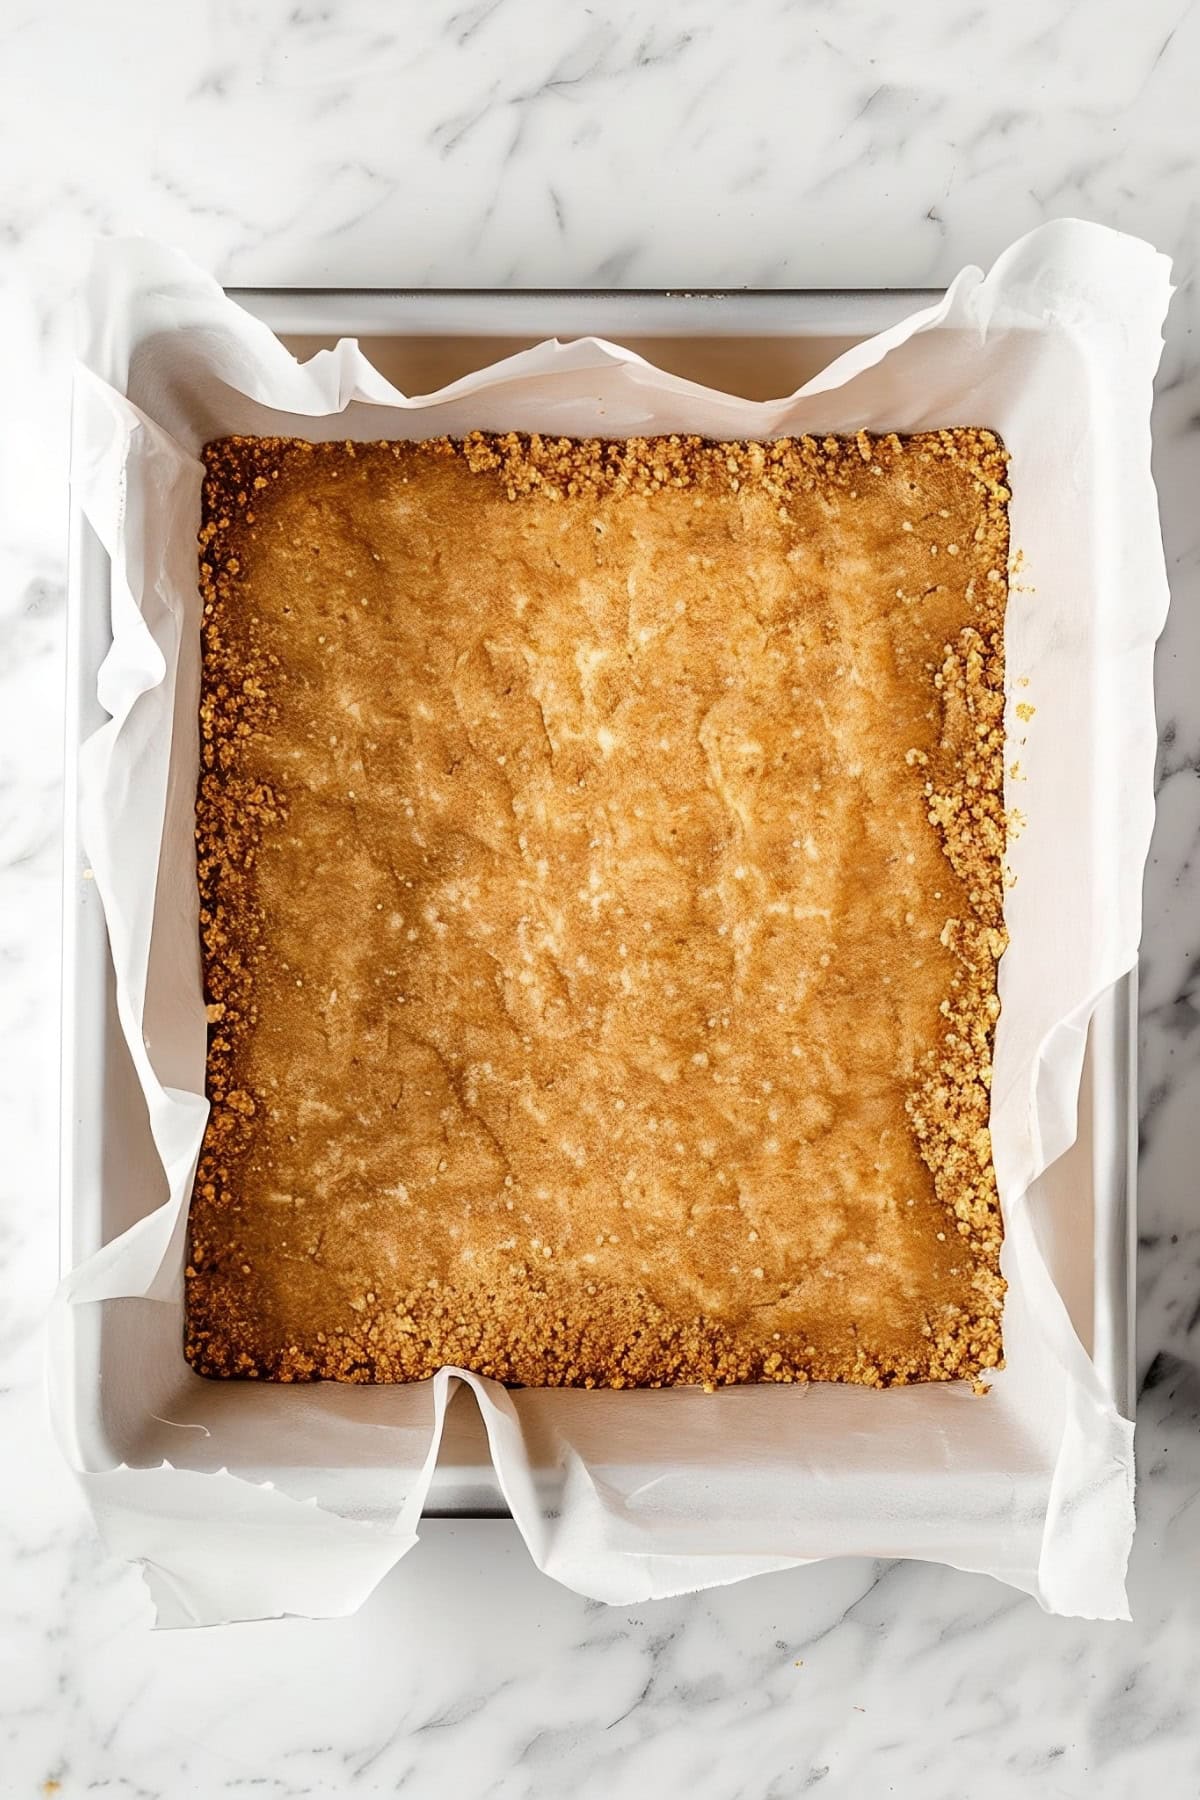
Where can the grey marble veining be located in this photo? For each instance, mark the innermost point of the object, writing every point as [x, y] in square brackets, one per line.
[529, 142]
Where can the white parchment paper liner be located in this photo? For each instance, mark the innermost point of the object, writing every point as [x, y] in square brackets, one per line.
[285, 1500]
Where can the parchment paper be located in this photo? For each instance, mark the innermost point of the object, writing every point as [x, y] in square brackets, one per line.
[298, 1500]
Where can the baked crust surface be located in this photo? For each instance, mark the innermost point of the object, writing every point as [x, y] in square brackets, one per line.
[600, 851]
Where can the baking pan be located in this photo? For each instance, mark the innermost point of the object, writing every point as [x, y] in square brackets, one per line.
[761, 344]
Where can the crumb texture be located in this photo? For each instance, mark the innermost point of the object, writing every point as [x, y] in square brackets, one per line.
[600, 851]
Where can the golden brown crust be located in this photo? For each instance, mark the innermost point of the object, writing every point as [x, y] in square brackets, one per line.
[600, 851]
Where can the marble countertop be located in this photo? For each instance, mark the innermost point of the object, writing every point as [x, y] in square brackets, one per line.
[523, 142]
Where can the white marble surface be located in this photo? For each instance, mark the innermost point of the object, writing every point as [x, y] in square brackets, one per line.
[541, 142]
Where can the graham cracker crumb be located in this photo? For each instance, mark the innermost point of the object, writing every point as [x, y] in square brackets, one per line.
[544, 786]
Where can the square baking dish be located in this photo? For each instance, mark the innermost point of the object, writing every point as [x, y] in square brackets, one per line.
[758, 344]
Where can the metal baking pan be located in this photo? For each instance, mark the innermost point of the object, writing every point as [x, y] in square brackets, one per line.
[760, 344]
